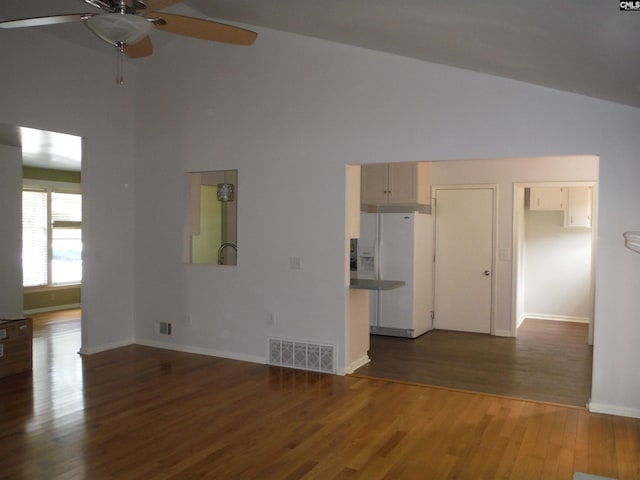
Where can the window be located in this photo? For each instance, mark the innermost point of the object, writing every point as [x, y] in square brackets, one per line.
[51, 234]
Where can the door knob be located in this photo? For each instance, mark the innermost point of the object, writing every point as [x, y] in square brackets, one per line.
[487, 273]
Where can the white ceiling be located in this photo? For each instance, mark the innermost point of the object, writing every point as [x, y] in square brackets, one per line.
[588, 47]
[583, 46]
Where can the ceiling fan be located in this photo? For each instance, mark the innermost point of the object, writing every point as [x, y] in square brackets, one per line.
[127, 23]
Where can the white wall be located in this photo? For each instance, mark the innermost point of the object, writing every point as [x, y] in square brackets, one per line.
[558, 268]
[53, 85]
[505, 172]
[11, 294]
[289, 113]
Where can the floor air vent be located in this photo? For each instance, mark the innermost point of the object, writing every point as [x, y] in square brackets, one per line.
[302, 355]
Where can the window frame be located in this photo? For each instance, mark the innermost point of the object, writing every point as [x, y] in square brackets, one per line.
[49, 186]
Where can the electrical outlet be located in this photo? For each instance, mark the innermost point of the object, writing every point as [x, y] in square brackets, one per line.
[294, 263]
[271, 319]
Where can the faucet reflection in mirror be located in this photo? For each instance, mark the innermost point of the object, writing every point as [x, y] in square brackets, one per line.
[212, 217]
[221, 251]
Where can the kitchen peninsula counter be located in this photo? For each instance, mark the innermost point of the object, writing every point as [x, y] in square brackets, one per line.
[367, 284]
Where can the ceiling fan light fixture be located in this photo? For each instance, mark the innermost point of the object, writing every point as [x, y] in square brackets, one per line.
[119, 28]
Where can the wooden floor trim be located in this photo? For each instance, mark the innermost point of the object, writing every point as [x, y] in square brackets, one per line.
[461, 390]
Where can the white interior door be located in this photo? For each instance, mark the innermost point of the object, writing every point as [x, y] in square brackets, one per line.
[463, 259]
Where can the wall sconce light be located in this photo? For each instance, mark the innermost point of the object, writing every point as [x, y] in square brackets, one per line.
[225, 192]
[632, 241]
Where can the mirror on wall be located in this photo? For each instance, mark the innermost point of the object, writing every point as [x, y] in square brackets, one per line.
[213, 198]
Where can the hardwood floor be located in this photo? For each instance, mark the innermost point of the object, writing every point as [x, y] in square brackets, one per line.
[55, 323]
[548, 361]
[143, 413]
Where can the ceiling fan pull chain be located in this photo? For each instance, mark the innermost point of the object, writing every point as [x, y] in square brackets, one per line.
[118, 64]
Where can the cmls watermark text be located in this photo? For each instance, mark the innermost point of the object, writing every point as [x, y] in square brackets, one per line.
[635, 5]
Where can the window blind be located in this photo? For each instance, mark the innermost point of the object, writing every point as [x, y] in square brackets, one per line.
[34, 238]
[66, 238]
[51, 237]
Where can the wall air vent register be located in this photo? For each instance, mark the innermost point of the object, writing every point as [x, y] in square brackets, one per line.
[302, 355]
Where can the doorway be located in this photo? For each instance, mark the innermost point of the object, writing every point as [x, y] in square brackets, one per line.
[505, 174]
[48, 193]
[555, 227]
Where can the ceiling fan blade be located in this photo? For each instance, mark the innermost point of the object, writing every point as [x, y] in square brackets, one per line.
[204, 29]
[150, 5]
[50, 20]
[141, 49]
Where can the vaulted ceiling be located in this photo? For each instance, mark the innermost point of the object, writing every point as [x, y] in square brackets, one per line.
[582, 46]
[589, 47]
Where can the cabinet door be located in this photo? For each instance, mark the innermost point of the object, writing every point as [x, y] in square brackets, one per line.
[578, 212]
[374, 184]
[547, 198]
[402, 183]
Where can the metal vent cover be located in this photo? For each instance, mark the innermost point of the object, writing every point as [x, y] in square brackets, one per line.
[302, 355]
[164, 328]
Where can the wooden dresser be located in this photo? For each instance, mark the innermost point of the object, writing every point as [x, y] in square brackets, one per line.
[16, 344]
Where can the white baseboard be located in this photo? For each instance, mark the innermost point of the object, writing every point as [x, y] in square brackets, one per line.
[55, 308]
[205, 351]
[614, 410]
[353, 366]
[104, 348]
[557, 318]
[202, 351]
[503, 333]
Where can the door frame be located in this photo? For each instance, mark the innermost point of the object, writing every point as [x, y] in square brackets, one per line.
[494, 233]
[517, 287]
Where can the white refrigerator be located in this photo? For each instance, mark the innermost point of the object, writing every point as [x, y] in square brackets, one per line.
[398, 246]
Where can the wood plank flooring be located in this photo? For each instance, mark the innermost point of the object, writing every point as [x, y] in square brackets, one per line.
[143, 413]
[548, 361]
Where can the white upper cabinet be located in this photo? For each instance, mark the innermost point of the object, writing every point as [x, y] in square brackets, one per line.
[575, 202]
[375, 184]
[396, 184]
[578, 209]
[547, 198]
